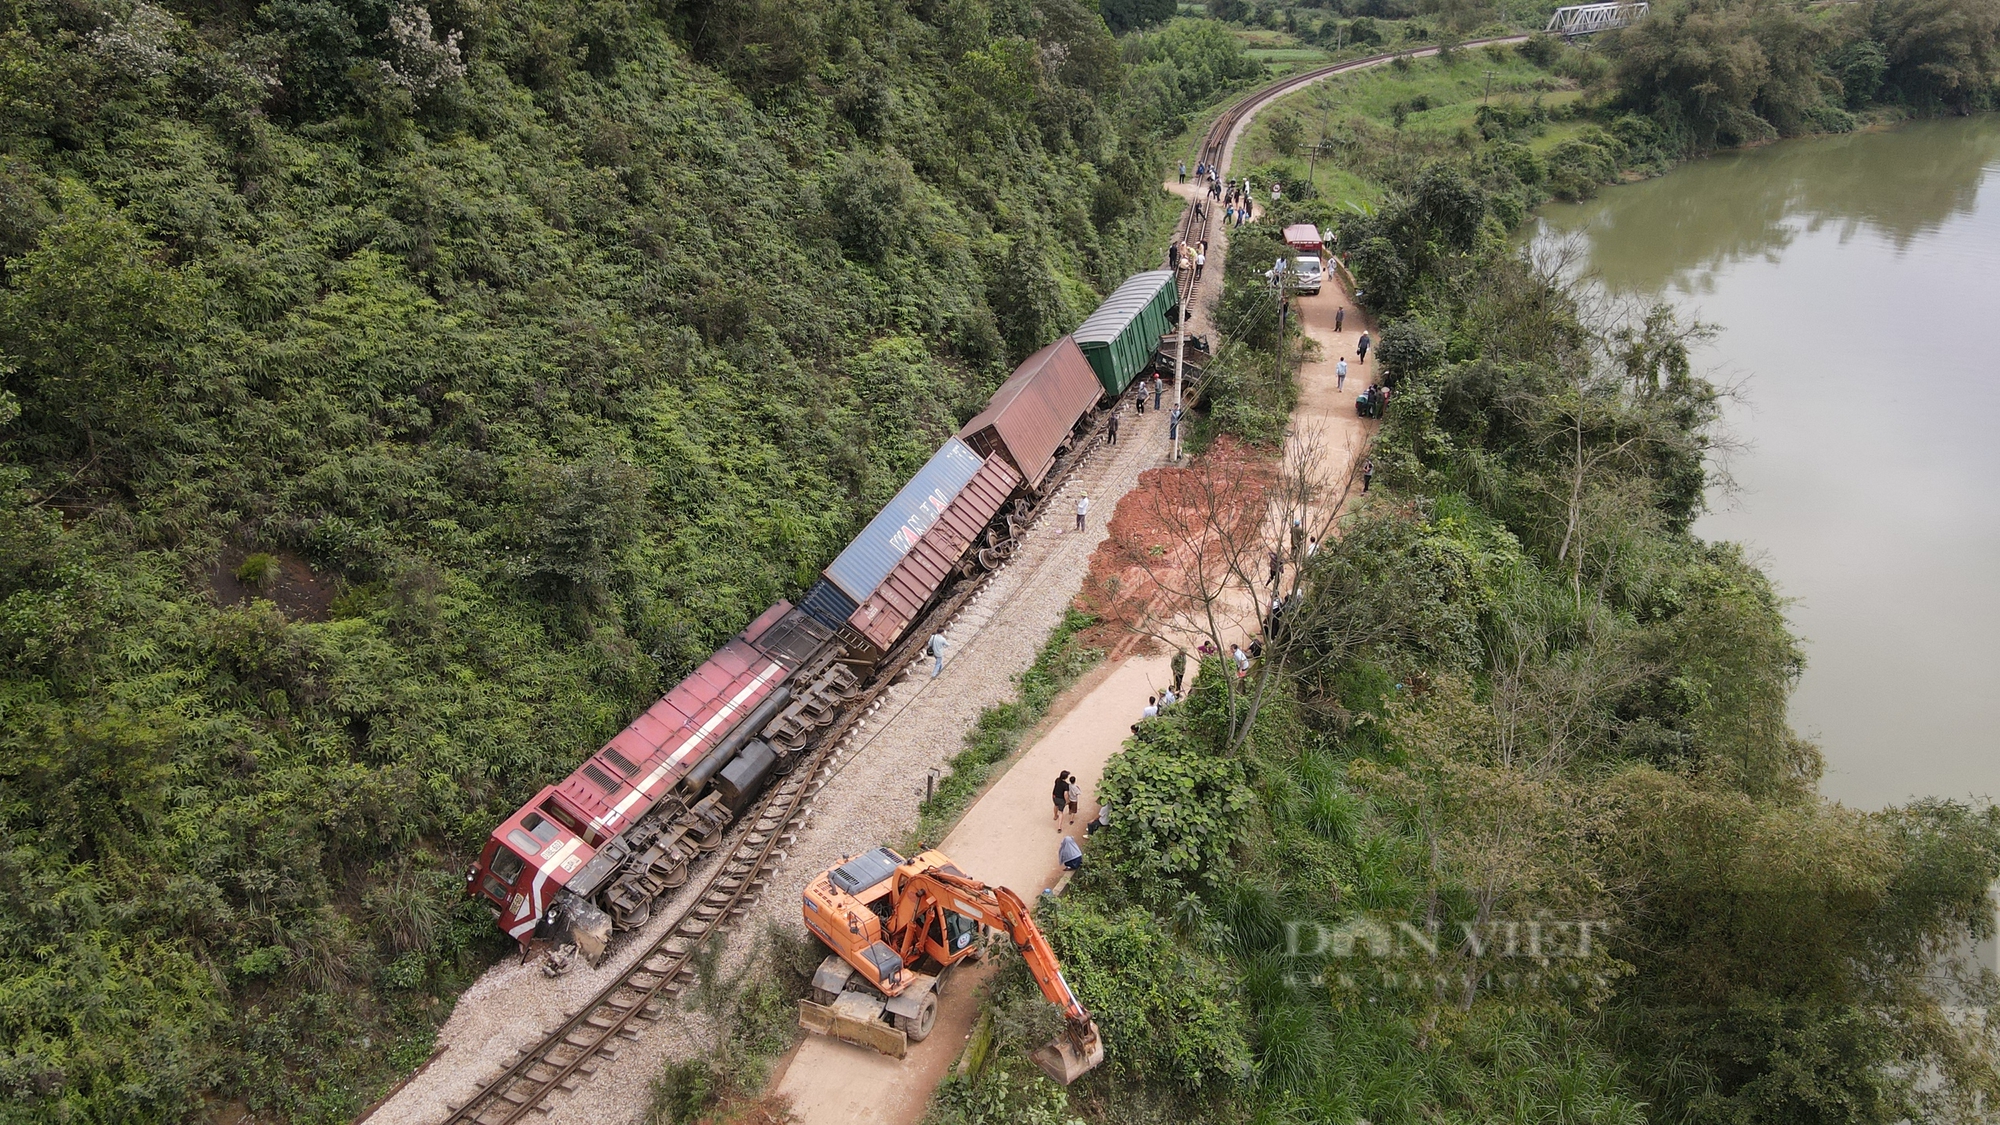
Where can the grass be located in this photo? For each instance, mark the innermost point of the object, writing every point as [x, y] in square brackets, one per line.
[994, 738]
[1558, 132]
[1436, 99]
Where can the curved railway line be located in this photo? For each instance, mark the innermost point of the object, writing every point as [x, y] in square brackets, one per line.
[642, 992]
[1215, 144]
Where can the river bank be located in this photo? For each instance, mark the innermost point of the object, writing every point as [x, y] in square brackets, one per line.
[1849, 278]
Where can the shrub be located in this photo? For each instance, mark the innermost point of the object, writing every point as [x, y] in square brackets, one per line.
[259, 571]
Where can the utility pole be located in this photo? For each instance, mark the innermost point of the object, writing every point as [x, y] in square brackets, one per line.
[1489, 88]
[1325, 121]
[1180, 354]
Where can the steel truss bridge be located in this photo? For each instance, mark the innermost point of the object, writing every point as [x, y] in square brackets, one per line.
[1583, 19]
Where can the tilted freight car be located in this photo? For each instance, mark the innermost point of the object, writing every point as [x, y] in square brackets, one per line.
[1036, 413]
[1120, 337]
[855, 573]
[940, 555]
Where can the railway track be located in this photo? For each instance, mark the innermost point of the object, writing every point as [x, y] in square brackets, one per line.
[644, 991]
[1215, 145]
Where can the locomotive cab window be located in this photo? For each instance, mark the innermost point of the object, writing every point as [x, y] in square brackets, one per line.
[542, 829]
[524, 843]
[493, 888]
[506, 866]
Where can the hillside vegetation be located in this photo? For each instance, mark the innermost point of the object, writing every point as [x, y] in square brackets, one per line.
[397, 398]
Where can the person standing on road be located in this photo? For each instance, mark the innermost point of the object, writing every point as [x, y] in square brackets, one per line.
[1082, 509]
[1339, 317]
[937, 647]
[1062, 796]
[1367, 473]
[1159, 385]
[1174, 425]
[1361, 346]
[1075, 797]
[1184, 171]
[1200, 260]
[1111, 430]
[1340, 373]
[1178, 665]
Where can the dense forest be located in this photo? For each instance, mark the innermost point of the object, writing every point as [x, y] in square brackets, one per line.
[398, 397]
[1517, 830]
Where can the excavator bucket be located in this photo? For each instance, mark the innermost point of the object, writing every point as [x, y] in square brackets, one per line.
[1071, 1055]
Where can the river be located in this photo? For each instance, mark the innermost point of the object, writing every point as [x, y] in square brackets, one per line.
[1854, 281]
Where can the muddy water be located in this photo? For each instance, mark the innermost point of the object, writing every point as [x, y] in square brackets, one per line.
[1856, 282]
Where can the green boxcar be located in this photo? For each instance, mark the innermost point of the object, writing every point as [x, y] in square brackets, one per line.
[1120, 336]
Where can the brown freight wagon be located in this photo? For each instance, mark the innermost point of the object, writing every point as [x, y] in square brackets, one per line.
[1032, 415]
[907, 592]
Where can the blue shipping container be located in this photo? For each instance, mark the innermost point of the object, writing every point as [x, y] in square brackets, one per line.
[896, 528]
[825, 604]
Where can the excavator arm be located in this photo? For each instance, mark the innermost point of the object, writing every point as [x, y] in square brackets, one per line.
[1081, 1048]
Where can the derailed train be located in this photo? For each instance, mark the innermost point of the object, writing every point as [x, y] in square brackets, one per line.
[589, 854]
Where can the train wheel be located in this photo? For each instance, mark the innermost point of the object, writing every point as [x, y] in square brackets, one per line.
[637, 915]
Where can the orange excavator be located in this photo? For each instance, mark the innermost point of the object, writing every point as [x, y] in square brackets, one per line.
[884, 917]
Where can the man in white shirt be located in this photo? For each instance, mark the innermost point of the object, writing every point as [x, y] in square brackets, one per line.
[1082, 509]
[1152, 710]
